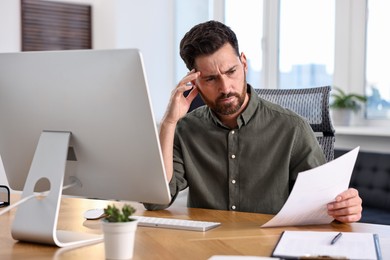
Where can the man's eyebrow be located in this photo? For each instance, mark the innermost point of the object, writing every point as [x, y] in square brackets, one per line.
[208, 76]
[215, 75]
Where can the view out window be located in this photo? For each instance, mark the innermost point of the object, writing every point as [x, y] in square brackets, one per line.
[245, 18]
[306, 50]
[188, 13]
[300, 45]
[377, 57]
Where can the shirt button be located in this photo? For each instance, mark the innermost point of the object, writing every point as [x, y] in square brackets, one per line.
[233, 207]
[233, 181]
[233, 156]
[233, 132]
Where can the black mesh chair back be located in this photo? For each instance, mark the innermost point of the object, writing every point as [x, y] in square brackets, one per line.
[313, 105]
[310, 103]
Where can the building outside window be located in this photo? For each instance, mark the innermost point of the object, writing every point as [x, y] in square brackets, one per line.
[306, 44]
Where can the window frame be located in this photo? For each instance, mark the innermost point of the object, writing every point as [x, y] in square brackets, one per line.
[349, 54]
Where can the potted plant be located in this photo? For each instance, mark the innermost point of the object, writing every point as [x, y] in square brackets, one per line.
[343, 105]
[119, 232]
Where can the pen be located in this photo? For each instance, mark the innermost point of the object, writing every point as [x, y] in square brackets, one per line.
[337, 237]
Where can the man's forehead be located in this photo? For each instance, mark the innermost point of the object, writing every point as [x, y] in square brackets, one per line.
[220, 61]
[216, 71]
[213, 67]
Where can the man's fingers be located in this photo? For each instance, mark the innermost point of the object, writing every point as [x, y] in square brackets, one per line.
[188, 80]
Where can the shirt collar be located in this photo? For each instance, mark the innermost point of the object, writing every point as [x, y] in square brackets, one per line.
[251, 108]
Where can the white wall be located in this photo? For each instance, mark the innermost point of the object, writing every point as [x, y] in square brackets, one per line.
[10, 26]
[9, 41]
[146, 25]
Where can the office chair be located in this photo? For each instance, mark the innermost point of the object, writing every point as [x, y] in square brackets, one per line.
[310, 103]
[313, 105]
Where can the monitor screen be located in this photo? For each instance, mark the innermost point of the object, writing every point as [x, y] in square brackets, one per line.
[101, 97]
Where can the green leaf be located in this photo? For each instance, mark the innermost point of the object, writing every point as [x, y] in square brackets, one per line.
[113, 214]
[342, 100]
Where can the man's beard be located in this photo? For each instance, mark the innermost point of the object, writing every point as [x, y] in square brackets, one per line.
[227, 108]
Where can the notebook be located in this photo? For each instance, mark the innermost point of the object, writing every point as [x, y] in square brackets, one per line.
[328, 245]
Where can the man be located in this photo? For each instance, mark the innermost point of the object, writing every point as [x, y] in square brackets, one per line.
[239, 152]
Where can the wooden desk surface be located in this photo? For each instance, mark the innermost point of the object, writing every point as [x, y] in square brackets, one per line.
[239, 234]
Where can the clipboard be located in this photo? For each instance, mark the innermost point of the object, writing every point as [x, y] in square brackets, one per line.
[322, 245]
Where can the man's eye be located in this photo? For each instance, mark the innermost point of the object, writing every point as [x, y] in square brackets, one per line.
[209, 79]
[230, 72]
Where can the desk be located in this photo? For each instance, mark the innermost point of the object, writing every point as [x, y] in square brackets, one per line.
[239, 234]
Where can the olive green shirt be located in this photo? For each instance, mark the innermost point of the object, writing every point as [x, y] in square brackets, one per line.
[251, 168]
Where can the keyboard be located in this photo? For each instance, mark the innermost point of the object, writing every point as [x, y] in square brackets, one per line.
[193, 225]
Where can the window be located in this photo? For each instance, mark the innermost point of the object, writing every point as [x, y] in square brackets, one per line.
[305, 43]
[188, 13]
[245, 17]
[306, 40]
[306, 46]
[377, 55]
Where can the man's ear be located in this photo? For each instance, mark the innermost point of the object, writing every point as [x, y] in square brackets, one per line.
[244, 62]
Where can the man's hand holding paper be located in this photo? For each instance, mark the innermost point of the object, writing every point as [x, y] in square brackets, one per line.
[321, 195]
[347, 206]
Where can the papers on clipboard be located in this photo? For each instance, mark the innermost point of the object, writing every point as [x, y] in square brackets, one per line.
[313, 190]
[317, 244]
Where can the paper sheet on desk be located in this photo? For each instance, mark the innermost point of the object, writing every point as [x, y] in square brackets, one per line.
[313, 190]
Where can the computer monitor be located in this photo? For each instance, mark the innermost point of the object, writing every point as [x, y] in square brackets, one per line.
[91, 107]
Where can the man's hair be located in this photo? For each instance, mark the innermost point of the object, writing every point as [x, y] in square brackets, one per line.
[205, 39]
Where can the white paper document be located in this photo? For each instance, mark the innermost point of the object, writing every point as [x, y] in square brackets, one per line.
[350, 245]
[313, 190]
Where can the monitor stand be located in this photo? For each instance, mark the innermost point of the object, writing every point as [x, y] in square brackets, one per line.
[36, 219]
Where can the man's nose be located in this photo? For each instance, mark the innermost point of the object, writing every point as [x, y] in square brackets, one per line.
[224, 85]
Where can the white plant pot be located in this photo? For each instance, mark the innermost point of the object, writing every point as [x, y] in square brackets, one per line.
[119, 239]
[341, 117]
